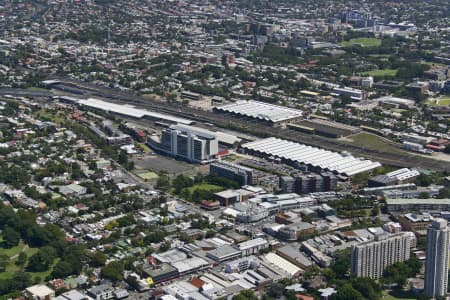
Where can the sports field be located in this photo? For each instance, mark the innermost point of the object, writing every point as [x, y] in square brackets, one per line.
[381, 73]
[364, 42]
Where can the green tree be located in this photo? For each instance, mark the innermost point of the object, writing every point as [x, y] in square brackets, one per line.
[180, 182]
[11, 237]
[424, 180]
[98, 259]
[21, 259]
[42, 260]
[4, 260]
[113, 271]
[414, 265]
[341, 264]
[368, 287]
[397, 273]
[163, 182]
[275, 290]
[132, 282]
[123, 158]
[164, 246]
[245, 295]
[347, 292]
[62, 269]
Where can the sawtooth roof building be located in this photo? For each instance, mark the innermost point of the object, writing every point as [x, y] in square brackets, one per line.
[262, 111]
[314, 158]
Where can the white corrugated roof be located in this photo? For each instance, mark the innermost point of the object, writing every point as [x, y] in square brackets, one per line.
[283, 264]
[189, 264]
[130, 110]
[261, 110]
[316, 157]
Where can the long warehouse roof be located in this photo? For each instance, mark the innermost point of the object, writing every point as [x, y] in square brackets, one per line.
[130, 110]
[261, 110]
[316, 157]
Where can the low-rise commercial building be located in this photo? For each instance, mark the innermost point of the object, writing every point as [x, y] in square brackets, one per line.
[240, 174]
[417, 205]
[417, 223]
[253, 246]
[224, 253]
[397, 177]
[39, 292]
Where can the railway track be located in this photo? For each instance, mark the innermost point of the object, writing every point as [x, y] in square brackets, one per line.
[259, 129]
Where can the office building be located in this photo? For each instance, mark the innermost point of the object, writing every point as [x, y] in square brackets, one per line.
[287, 184]
[240, 174]
[417, 205]
[187, 142]
[110, 134]
[370, 259]
[416, 222]
[295, 231]
[354, 94]
[308, 183]
[436, 264]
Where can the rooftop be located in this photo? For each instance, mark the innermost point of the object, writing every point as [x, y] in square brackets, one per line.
[430, 201]
[129, 110]
[40, 290]
[223, 252]
[261, 110]
[316, 157]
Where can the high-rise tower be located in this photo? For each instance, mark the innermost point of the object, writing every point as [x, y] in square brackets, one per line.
[436, 265]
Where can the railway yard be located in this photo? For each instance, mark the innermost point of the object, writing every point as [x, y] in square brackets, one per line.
[244, 125]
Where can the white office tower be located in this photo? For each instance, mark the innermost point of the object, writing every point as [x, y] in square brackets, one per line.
[190, 143]
[370, 259]
[436, 265]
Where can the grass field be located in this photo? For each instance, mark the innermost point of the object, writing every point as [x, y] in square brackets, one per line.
[381, 73]
[380, 55]
[13, 253]
[371, 141]
[47, 115]
[398, 295]
[37, 89]
[430, 63]
[148, 176]
[365, 42]
[442, 101]
[206, 187]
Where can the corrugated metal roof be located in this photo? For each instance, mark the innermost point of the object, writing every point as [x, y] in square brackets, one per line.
[261, 110]
[324, 159]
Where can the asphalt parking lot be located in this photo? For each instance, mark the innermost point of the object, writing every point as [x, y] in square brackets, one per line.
[158, 163]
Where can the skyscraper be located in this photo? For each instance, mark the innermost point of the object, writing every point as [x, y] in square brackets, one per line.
[436, 265]
[370, 259]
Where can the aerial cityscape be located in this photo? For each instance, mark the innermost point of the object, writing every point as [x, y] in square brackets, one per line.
[235, 150]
